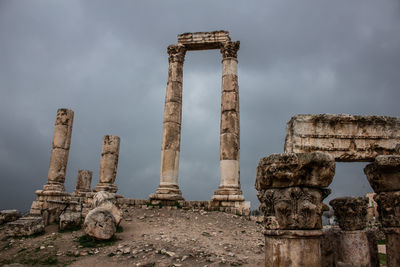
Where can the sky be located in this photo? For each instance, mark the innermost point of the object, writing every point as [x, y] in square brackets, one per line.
[108, 62]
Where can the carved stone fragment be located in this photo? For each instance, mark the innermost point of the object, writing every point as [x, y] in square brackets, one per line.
[351, 212]
[384, 173]
[345, 137]
[295, 169]
[25, 226]
[389, 208]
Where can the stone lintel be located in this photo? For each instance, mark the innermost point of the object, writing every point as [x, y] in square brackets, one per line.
[204, 40]
[346, 137]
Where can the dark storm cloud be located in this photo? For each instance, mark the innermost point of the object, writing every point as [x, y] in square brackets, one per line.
[107, 61]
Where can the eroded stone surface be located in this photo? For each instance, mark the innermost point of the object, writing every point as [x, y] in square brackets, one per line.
[295, 169]
[345, 137]
[83, 181]
[384, 173]
[203, 40]
[9, 216]
[293, 207]
[25, 226]
[70, 220]
[100, 223]
[351, 212]
[389, 208]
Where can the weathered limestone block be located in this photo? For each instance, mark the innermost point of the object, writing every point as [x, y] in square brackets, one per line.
[389, 208]
[203, 40]
[351, 212]
[70, 220]
[230, 122]
[25, 226]
[345, 137]
[230, 101]
[295, 169]
[100, 223]
[174, 92]
[229, 146]
[293, 207]
[110, 144]
[83, 181]
[384, 173]
[230, 81]
[173, 112]
[7, 216]
[285, 248]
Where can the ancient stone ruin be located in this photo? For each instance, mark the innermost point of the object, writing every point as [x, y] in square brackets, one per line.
[291, 187]
[229, 193]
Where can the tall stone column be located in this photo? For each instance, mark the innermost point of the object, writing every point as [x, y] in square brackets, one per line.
[83, 181]
[291, 188]
[229, 188]
[171, 136]
[60, 150]
[384, 177]
[51, 200]
[108, 164]
[356, 248]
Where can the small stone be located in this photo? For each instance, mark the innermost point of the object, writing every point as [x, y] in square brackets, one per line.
[42, 247]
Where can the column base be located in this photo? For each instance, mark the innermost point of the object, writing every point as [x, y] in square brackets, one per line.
[293, 248]
[54, 186]
[228, 193]
[112, 188]
[167, 192]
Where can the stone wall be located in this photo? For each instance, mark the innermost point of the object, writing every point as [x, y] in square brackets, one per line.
[345, 137]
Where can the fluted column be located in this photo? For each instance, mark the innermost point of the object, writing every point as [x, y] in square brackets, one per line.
[60, 150]
[108, 164]
[171, 136]
[229, 188]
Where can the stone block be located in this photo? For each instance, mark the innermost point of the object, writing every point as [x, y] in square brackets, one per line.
[110, 144]
[203, 40]
[173, 112]
[384, 173]
[7, 216]
[58, 165]
[230, 101]
[70, 220]
[83, 181]
[230, 122]
[229, 67]
[25, 226]
[295, 169]
[171, 136]
[229, 147]
[345, 137]
[174, 92]
[230, 83]
[175, 72]
[100, 224]
[108, 168]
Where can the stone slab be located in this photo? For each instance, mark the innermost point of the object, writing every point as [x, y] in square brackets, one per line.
[203, 40]
[347, 138]
[25, 226]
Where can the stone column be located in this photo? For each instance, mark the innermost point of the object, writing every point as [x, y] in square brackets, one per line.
[384, 177]
[171, 136]
[291, 188]
[83, 181]
[60, 151]
[355, 248]
[108, 164]
[229, 188]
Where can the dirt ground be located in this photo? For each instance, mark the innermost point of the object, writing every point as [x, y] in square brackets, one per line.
[147, 237]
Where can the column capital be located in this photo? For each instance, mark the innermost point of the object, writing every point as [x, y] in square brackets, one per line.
[176, 53]
[351, 212]
[229, 49]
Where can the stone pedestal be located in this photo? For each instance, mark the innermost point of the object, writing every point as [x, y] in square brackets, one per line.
[293, 248]
[291, 188]
[52, 198]
[83, 182]
[168, 189]
[384, 177]
[108, 164]
[355, 248]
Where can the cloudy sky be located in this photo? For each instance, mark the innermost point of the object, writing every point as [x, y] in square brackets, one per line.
[107, 61]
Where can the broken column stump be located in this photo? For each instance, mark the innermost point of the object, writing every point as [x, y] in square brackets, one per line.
[384, 177]
[291, 188]
[102, 222]
[356, 248]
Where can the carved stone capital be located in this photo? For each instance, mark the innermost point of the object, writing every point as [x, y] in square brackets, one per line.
[176, 53]
[351, 212]
[229, 49]
[293, 208]
[389, 208]
[384, 173]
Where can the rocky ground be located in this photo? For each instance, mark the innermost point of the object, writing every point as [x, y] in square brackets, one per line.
[147, 237]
